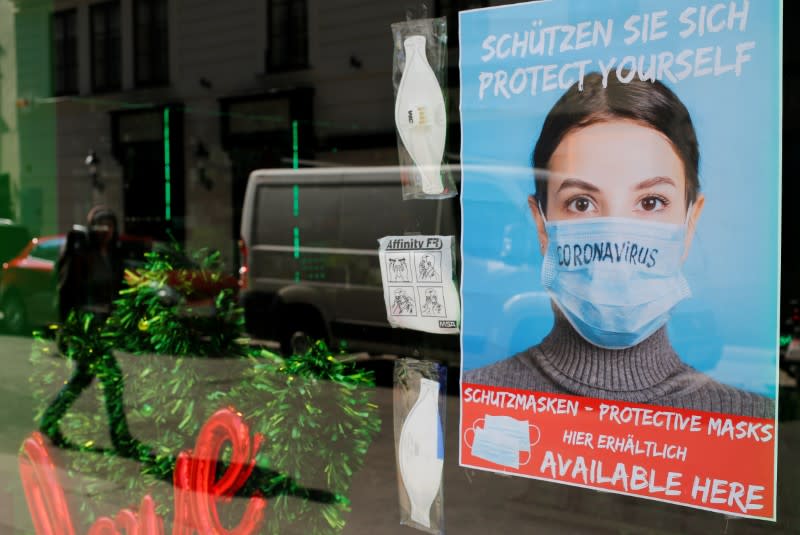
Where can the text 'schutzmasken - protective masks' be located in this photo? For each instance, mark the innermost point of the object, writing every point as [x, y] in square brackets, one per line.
[420, 115]
[615, 279]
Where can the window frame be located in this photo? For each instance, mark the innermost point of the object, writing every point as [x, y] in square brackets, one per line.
[64, 63]
[155, 36]
[112, 46]
[289, 38]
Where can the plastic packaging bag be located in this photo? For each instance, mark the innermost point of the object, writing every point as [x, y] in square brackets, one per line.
[419, 75]
[419, 423]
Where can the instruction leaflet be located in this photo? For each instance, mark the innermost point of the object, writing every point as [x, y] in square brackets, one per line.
[418, 286]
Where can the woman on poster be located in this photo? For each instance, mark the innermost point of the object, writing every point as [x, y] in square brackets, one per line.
[616, 206]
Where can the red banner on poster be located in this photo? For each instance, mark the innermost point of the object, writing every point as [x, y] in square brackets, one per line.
[712, 461]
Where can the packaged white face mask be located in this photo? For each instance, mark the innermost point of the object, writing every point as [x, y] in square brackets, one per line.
[420, 115]
[420, 454]
[419, 289]
[419, 69]
[419, 430]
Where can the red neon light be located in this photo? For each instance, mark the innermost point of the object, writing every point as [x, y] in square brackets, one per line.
[195, 475]
[197, 491]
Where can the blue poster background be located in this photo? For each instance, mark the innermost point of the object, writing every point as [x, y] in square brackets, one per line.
[729, 327]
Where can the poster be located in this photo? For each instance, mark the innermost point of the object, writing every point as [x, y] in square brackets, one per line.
[621, 247]
[418, 288]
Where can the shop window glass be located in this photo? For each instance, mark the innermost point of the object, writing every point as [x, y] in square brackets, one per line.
[217, 374]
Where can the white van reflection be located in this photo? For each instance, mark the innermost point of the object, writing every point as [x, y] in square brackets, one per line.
[309, 251]
[309, 240]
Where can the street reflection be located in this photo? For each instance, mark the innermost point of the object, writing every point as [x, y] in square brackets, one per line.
[311, 415]
[373, 491]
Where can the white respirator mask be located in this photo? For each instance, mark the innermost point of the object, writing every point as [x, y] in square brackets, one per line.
[420, 115]
[421, 452]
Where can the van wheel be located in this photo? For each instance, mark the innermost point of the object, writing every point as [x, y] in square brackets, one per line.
[15, 319]
[300, 343]
[300, 330]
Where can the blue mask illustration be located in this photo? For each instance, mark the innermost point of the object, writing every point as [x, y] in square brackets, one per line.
[511, 427]
[496, 447]
[502, 439]
[615, 279]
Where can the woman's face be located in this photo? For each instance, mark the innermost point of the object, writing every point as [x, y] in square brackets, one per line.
[616, 168]
[103, 230]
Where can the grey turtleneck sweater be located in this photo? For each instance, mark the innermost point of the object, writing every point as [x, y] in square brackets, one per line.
[650, 373]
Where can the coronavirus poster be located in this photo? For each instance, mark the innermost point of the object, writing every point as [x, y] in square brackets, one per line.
[621, 247]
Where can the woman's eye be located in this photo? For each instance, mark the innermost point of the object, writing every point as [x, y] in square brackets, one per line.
[580, 205]
[652, 204]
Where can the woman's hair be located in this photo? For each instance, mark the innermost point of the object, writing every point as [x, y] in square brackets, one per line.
[102, 213]
[651, 104]
[99, 213]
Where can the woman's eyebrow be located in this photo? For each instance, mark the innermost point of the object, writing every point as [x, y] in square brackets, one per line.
[577, 183]
[656, 181]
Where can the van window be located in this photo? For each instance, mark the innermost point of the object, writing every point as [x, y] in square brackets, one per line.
[317, 215]
[304, 215]
[373, 210]
[47, 250]
[449, 217]
[274, 217]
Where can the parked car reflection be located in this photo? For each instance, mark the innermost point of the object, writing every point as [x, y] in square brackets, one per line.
[28, 297]
[28, 286]
[13, 237]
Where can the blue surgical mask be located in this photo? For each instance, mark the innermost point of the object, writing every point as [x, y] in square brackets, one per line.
[503, 439]
[615, 279]
[496, 447]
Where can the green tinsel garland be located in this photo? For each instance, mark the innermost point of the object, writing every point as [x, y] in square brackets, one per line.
[152, 315]
[314, 409]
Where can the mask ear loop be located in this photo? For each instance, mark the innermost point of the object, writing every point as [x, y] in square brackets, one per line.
[686, 228]
[541, 211]
[473, 432]
[532, 444]
[544, 218]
